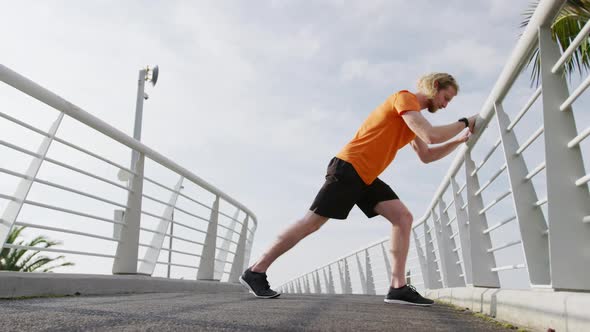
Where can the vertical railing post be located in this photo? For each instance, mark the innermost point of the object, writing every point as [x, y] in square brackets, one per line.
[387, 258]
[530, 218]
[440, 243]
[14, 207]
[431, 280]
[127, 249]
[331, 287]
[327, 280]
[451, 258]
[148, 263]
[207, 261]
[463, 228]
[482, 261]
[306, 284]
[225, 244]
[421, 257]
[370, 280]
[249, 242]
[348, 282]
[361, 274]
[567, 204]
[341, 276]
[317, 283]
[237, 266]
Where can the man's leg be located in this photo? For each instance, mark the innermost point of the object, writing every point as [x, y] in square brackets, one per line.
[401, 226]
[288, 239]
[401, 221]
[254, 278]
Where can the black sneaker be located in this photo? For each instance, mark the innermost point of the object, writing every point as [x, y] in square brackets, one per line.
[257, 284]
[407, 295]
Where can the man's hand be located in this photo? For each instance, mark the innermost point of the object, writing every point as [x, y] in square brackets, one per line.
[464, 135]
[472, 120]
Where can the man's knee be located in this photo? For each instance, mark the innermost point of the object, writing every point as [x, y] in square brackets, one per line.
[407, 219]
[312, 222]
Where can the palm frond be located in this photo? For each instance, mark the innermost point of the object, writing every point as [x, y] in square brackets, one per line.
[564, 30]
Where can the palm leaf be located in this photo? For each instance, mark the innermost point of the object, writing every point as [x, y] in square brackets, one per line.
[564, 30]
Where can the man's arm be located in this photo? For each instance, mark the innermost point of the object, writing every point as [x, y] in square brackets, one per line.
[429, 154]
[430, 134]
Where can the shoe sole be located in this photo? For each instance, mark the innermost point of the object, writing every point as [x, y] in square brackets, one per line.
[243, 282]
[408, 303]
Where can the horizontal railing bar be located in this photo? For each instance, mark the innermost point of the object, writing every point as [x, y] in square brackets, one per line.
[53, 161]
[535, 171]
[579, 138]
[451, 221]
[502, 223]
[464, 206]
[222, 261]
[462, 188]
[13, 246]
[505, 245]
[63, 230]
[580, 37]
[55, 185]
[180, 252]
[179, 265]
[451, 203]
[454, 235]
[226, 239]
[176, 192]
[485, 159]
[583, 180]
[148, 246]
[51, 207]
[456, 249]
[152, 231]
[491, 180]
[494, 202]
[459, 262]
[541, 202]
[176, 222]
[229, 229]
[184, 239]
[575, 94]
[62, 141]
[508, 267]
[530, 141]
[525, 109]
[173, 206]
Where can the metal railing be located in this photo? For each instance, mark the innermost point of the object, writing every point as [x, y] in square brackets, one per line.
[163, 221]
[472, 232]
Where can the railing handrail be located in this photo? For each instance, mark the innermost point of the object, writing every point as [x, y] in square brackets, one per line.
[44, 95]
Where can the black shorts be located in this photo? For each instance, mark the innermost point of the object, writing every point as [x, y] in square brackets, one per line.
[344, 188]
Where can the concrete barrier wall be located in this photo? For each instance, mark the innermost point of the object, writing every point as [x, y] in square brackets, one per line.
[538, 309]
[18, 284]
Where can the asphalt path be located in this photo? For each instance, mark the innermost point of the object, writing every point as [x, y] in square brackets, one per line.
[231, 312]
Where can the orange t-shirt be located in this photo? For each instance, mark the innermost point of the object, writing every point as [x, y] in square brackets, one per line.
[379, 138]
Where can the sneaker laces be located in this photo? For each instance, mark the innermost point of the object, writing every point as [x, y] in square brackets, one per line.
[411, 287]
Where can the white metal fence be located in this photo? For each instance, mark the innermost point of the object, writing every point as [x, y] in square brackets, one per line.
[503, 206]
[62, 183]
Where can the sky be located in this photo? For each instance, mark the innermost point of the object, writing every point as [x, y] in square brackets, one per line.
[256, 97]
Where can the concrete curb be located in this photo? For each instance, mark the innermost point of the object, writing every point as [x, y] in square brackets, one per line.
[19, 284]
[538, 309]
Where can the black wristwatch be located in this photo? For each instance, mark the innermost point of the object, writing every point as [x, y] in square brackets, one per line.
[465, 121]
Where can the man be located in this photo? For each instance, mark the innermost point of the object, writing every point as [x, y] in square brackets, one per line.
[352, 179]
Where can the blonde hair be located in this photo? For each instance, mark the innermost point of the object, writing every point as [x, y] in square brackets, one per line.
[426, 83]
